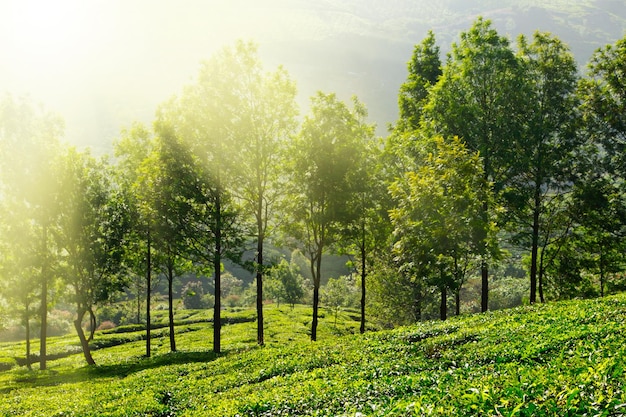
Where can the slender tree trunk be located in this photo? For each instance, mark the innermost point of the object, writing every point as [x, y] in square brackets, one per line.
[316, 292]
[601, 272]
[540, 277]
[217, 265]
[27, 327]
[259, 281]
[93, 324]
[535, 245]
[484, 267]
[484, 298]
[170, 304]
[443, 305]
[43, 335]
[457, 302]
[418, 308]
[80, 314]
[138, 303]
[148, 292]
[363, 276]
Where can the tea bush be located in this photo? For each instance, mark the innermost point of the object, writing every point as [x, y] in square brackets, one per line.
[560, 359]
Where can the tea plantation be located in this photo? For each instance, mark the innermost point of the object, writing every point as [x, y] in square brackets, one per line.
[561, 359]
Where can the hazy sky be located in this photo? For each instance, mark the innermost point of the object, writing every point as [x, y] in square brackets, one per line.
[101, 64]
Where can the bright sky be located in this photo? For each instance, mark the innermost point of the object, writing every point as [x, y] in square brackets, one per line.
[101, 64]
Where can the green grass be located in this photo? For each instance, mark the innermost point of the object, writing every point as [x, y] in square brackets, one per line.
[562, 359]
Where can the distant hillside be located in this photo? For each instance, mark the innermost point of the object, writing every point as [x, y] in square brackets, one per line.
[361, 47]
[140, 53]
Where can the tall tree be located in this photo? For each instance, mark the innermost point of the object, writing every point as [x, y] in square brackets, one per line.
[322, 160]
[172, 177]
[365, 231]
[207, 119]
[438, 211]
[133, 152]
[542, 168]
[266, 111]
[92, 234]
[29, 147]
[18, 266]
[466, 103]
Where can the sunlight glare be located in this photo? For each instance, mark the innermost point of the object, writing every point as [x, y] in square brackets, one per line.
[51, 35]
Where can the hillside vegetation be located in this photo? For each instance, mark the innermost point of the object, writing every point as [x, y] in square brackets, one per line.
[556, 359]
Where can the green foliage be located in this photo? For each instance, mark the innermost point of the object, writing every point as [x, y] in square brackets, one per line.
[424, 71]
[284, 283]
[340, 293]
[489, 364]
[192, 295]
[438, 216]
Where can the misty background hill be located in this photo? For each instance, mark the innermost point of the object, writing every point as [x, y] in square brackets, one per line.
[124, 58]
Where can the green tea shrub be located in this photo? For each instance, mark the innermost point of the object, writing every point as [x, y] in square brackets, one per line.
[6, 364]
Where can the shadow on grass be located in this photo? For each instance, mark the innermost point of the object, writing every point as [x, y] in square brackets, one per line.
[142, 363]
[34, 378]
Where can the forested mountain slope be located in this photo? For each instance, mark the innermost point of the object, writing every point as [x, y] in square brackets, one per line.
[361, 47]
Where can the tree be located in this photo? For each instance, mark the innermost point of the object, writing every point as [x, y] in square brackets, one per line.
[29, 148]
[424, 72]
[206, 118]
[266, 111]
[604, 104]
[286, 283]
[544, 153]
[133, 151]
[323, 157]
[465, 103]
[365, 230]
[437, 215]
[18, 266]
[192, 294]
[338, 293]
[92, 232]
[600, 211]
[600, 190]
[172, 179]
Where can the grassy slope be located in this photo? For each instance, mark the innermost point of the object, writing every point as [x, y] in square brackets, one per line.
[557, 359]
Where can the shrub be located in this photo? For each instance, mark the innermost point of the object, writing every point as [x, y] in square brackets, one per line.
[6, 364]
[106, 325]
[192, 294]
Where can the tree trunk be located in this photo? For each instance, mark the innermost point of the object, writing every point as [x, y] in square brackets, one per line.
[138, 303]
[363, 276]
[457, 302]
[540, 277]
[484, 296]
[217, 265]
[27, 327]
[170, 304]
[93, 323]
[443, 306]
[484, 267]
[316, 294]
[259, 284]
[535, 246]
[148, 293]
[80, 314]
[43, 332]
[602, 277]
[316, 291]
